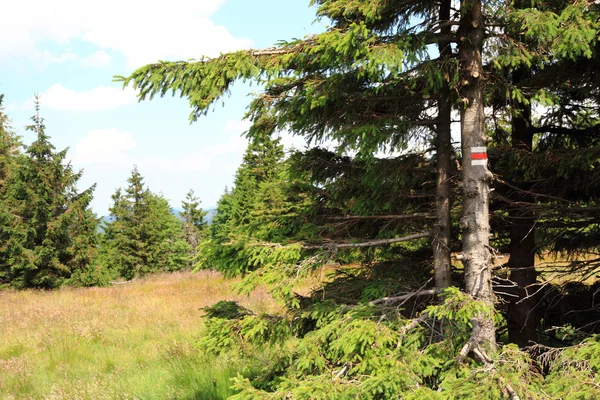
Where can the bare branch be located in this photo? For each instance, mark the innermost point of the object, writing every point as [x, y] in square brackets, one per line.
[413, 324]
[271, 51]
[406, 296]
[375, 217]
[396, 299]
[371, 243]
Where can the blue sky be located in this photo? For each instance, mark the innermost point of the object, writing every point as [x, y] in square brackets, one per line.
[69, 50]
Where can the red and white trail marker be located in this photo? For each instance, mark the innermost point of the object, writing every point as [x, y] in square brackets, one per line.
[479, 156]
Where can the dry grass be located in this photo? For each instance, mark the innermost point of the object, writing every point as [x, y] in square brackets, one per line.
[132, 341]
[556, 269]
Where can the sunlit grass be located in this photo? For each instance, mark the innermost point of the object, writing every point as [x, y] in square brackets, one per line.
[132, 341]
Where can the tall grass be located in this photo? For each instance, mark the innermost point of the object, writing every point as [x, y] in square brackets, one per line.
[132, 341]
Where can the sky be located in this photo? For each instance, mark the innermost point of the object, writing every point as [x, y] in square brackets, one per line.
[67, 51]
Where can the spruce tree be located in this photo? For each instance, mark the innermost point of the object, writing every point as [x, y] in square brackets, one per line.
[124, 240]
[194, 223]
[221, 220]
[231, 228]
[548, 75]
[53, 232]
[143, 235]
[260, 164]
[9, 148]
[9, 144]
[165, 237]
[475, 174]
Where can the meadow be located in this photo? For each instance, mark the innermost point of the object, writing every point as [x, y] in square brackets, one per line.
[129, 341]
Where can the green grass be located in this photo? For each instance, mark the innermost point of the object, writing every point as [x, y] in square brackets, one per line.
[133, 341]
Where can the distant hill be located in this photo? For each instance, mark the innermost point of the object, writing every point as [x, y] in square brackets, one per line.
[176, 211]
[209, 216]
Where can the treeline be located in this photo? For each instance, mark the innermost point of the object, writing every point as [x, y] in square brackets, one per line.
[49, 235]
[429, 308]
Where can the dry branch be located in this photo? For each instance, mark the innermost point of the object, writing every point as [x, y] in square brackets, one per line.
[406, 296]
[396, 299]
[375, 217]
[370, 243]
[413, 324]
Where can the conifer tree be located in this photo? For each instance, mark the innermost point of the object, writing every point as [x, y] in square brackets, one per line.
[220, 223]
[124, 239]
[261, 163]
[53, 231]
[8, 155]
[442, 235]
[543, 73]
[235, 218]
[165, 237]
[8, 144]
[143, 235]
[475, 174]
[194, 223]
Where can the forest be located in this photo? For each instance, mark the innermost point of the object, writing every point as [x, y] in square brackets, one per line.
[446, 205]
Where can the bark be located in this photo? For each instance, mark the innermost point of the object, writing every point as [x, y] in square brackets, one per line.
[522, 318]
[475, 174]
[441, 236]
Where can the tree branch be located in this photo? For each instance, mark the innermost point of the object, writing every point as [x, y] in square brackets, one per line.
[272, 51]
[406, 296]
[595, 129]
[395, 299]
[371, 243]
[413, 324]
[375, 217]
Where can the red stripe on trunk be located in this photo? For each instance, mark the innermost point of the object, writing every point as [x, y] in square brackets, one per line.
[479, 156]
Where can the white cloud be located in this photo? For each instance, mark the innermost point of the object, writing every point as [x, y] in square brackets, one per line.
[104, 146]
[98, 59]
[108, 156]
[115, 149]
[141, 31]
[217, 156]
[46, 57]
[60, 98]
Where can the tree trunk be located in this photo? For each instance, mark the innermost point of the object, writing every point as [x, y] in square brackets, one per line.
[522, 318]
[443, 144]
[475, 174]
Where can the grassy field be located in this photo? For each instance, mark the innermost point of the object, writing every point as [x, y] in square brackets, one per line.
[132, 341]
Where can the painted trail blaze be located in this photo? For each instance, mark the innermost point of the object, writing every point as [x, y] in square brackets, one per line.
[479, 156]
